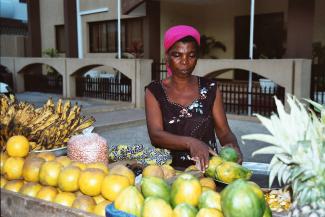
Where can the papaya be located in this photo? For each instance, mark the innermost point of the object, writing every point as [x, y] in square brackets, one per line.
[185, 189]
[228, 154]
[210, 199]
[267, 212]
[184, 210]
[242, 199]
[156, 187]
[130, 200]
[229, 171]
[157, 207]
[209, 212]
[213, 163]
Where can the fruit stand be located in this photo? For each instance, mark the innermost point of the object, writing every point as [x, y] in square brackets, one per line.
[38, 178]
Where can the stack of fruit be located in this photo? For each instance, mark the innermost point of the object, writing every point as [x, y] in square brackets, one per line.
[223, 167]
[58, 179]
[91, 187]
[47, 127]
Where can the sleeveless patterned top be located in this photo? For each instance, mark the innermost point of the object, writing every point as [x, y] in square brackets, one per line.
[194, 120]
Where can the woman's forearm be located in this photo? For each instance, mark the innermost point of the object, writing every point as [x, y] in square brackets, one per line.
[166, 140]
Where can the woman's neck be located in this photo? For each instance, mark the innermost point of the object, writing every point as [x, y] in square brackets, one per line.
[183, 83]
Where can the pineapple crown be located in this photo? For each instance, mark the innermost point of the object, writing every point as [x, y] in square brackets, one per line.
[297, 141]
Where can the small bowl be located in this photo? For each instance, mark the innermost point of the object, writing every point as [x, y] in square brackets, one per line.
[57, 151]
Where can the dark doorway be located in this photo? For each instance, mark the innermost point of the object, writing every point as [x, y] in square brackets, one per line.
[269, 38]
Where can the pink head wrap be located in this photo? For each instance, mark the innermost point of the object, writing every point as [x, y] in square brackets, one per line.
[175, 33]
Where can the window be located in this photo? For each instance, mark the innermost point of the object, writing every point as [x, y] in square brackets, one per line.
[60, 38]
[103, 35]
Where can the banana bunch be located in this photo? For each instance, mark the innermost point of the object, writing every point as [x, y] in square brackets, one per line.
[46, 127]
[144, 155]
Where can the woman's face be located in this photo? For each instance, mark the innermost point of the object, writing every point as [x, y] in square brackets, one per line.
[182, 58]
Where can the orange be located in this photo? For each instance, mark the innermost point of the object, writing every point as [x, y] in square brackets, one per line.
[85, 203]
[3, 181]
[99, 165]
[14, 185]
[209, 212]
[81, 165]
[112, 185]
[49, 173]
[13, 168]
[30, 189]
[100, 207]
[123, 171]
[153, 170]
[98, 199]
[68, 179]
[47, 156]
[17, 146]
[90, 181]
[208, 182]
[3, 158]
[64, 160]
[47, 193]
[32, 168]
[65, 198]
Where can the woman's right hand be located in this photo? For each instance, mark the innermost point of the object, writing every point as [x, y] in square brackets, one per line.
[199, 152]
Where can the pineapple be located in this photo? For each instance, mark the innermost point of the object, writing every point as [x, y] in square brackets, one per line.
[298, 146]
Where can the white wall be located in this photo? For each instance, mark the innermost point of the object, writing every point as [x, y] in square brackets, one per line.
[51, 14]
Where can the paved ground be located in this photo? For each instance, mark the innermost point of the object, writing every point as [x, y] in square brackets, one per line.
[120, 123]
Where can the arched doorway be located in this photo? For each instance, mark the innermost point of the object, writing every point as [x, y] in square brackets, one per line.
[103, 82]
[42, 78]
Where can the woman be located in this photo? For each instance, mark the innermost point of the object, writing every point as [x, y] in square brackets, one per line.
[183, 111]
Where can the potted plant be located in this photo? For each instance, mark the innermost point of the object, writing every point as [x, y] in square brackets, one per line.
[297, 141]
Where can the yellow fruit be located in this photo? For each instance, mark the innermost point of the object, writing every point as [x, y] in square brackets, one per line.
[3, 181]
[112, 185]
[90, 181]
[205, 189]
[47, 193]
[154, 206]
[65, 198]
[209, 212]
[49, 173]
[64, 160]
[168, 171]
[3, 158]
[208, 182]
[47, 156]
[185, 189]
[100, 208]
[85, 203]
[30, 189]
[13, 168]
[210, 199]
[68, 179]
[153, 170]
[191, 168]
[14, 185]
[130, 200]
[17, 146]
[32, 168]
[99, 165]
[123, 171]
[98, 199]
[81, 165]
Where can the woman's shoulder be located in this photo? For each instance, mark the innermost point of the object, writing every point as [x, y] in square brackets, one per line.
[208, 82]
[153, 84]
